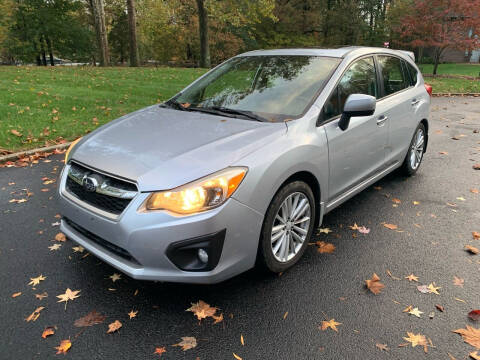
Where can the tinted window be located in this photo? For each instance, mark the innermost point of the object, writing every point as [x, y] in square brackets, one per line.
[413, 73]
[394, 78]
[360, 78]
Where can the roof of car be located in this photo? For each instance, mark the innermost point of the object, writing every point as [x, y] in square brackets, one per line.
[340, 52]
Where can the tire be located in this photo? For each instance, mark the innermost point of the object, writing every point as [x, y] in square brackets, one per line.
[276, 262]
[410, 166]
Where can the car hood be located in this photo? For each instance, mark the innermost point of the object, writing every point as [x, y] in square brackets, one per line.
[162, 148]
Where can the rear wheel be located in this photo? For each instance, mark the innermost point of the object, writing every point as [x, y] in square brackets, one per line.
[415, 152]
[287, 227]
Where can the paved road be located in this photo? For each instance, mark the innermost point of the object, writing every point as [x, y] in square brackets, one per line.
[254, 304]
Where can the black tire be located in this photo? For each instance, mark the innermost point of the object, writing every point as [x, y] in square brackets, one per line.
[407, 168]
[266, 258]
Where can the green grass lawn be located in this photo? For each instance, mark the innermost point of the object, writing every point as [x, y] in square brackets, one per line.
[452, 69]
[43, 105]
[46, 104]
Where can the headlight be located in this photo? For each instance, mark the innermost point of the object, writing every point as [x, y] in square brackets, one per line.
[70, 149]
[200, 195]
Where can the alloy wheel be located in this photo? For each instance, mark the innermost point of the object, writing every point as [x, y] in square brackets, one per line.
[416, 150]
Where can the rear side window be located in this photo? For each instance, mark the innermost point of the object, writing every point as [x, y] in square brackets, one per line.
[394, 79]
[413, 73]
[360, 78]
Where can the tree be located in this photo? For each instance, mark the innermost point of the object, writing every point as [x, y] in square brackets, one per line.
[440, 24]
[203, 30]
[98, 13]
[132, 33]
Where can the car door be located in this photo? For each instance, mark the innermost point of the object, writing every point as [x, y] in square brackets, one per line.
[397, 104]
[358, 152]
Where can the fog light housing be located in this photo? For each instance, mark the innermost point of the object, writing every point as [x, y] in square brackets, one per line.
[198, 254]
[202, 256]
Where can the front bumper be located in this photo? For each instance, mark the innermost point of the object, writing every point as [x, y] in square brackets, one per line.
[137, 242]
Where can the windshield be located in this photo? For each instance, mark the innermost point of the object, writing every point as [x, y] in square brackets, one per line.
[274, 88]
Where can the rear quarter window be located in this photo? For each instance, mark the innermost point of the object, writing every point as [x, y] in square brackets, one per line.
[394, 77]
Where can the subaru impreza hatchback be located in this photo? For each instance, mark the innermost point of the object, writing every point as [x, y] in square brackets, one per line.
[241, 166]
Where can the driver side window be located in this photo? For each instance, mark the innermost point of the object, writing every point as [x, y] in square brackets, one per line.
[360, 78]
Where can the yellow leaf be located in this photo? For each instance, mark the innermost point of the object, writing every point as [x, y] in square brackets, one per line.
[332, 324]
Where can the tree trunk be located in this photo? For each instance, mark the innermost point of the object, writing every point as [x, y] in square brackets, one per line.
[100, 30]
[132, 29]
[203, 29]
[42, 52]
[50, 50]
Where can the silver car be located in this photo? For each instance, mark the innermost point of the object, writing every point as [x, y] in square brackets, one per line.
[241, 166]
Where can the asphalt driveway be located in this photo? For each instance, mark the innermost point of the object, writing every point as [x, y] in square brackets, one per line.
[278, 317]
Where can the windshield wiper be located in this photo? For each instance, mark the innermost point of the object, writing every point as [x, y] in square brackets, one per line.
[248, 114]
[174, 104]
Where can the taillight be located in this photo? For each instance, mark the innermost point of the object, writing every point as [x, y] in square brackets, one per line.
[429, 89]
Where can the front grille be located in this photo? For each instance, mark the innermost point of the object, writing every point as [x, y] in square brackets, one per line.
[117, 250]
[111, 204]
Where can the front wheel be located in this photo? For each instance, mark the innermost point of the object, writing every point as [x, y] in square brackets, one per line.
[415, 152]
[287, 227]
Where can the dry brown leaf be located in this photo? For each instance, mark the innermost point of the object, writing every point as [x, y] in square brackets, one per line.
[374, 284]
[60, 237]
[92, 318]
[474, 191]
[202, 310]
[470, 335]
[382, 347]
[332, 324]
[64, 346]
[476, 235]
[412, 277]
[440, 307]
[16, 132]
[236, 356]
[472, 249]
[132, 314]
[68, 295]
[36, 281]
[416, 339]
[160, 350]
[396, 201]
[242, 341]
[458, 281]
[324, 247]
[474, 315]
[48, 331]
[474, 355]
[14, 295]
[34, 315]
[187, 343]
[114, 326]
[41, 296]
[391, 226]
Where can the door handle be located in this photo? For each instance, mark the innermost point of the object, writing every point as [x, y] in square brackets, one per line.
[415, 102]
[381, 120]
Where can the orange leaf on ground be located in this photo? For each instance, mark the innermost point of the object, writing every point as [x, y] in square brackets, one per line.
[470, 335]
[374, 284]
[458, 281]
[14, 295]
[391, 226]
[64, 346]
[160, 350]
[114, 326]
[187, 343]
[332, 324]
[417, 339]
[92, 318]
[476, 235]
[472, 249]
[60, 237]
[34, 316]
[474, 315]
[48, 331]
[324, 247]
[202, 310]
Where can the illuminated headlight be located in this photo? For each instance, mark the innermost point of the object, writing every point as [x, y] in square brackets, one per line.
[200, 195]
[72, 145]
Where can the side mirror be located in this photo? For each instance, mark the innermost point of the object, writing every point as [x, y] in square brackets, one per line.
[357, 105]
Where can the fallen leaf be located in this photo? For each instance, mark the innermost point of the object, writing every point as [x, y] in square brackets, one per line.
[474, 315]
[443, 153]
[35, 314]
[114, 326]
[132, 314]
[416, 202]
[476, 235]
[396, 201]
[415, 312]
[115, 277]
[324, 231]
[242, 341]
[391, 226]
[16, 132]
[433, 289]
[14, 295]
[476, 167]
[64, 346]
[374, 284]
[474, 191]
[416, 339]
[55, 247]
[41, 296]
[382, 347]
[236, 356]
[389, 273]
[79, 249]
[458, 281]
[354, 227]
[218, 318]
[60, 237]
[440, 307]
[324, 247]
[470, 335]
[423, 289]
[474, 355]
[332, 324]
[48, 331]
[285, 315]
[202, 310]
[472, 249]
[36, 281]
[412, 277]
[187, 343]
[160, 350]
[363, 230]
[92, 318]
[68, 295]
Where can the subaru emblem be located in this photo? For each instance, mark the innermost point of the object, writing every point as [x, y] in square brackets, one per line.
[90, 184]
